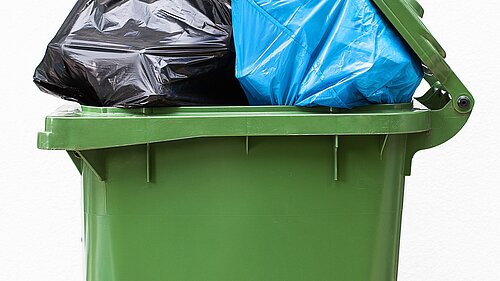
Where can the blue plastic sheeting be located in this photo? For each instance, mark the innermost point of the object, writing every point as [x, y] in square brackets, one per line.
[336, 53]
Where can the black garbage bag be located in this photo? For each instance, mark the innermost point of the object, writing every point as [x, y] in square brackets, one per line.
[136, 53]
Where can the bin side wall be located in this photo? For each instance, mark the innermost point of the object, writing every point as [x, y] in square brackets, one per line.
[213, 212]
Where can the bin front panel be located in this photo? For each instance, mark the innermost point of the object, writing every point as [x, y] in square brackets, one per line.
[266, 208]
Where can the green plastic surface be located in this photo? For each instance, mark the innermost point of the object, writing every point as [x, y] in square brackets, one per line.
[256, 193]
[443, 98]
[113, 127]
[213, 212]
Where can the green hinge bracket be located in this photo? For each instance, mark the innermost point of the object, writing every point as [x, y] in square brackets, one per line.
[448, 99]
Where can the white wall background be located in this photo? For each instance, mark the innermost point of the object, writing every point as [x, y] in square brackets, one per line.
[451, 227]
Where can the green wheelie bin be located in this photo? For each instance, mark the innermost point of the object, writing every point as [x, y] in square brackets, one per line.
[255, 193]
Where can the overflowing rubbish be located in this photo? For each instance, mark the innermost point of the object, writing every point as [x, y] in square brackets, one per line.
[137, 53]
[340, 53]
[133, 53]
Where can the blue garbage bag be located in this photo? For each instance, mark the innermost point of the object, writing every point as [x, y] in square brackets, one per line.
[336, 53]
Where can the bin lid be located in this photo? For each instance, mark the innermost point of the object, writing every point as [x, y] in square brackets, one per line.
[405, 16]
[85, 128]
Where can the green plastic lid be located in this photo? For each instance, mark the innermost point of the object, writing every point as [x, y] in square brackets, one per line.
[75, 128]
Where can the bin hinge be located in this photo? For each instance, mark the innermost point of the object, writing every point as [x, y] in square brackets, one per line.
[445, 123]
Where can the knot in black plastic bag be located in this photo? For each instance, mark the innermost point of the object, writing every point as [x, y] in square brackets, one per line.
[135, 53]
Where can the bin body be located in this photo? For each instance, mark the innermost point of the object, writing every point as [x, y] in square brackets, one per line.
[214, 212]
[256, 193]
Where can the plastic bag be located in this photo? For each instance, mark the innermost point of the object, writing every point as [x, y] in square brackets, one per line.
[336, 53]
[131, 53]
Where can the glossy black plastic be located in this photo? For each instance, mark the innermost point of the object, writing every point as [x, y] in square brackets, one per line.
[140, 53]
